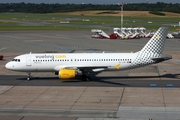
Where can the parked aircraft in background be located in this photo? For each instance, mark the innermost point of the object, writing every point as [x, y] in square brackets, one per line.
[70, 65]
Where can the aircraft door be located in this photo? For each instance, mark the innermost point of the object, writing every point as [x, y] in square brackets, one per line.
[28, 60]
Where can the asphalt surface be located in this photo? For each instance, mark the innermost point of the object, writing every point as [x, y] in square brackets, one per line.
[143, 93]
[118, 81]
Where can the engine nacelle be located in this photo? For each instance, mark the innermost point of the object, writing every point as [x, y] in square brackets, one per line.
[67, 73]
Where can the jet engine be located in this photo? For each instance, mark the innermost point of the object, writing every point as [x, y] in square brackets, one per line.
[67, 73]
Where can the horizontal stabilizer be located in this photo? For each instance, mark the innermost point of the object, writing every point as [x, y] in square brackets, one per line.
[163, 57]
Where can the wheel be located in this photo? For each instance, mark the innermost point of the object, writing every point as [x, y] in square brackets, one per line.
[83, 76]
[29, 76]
[88, 78]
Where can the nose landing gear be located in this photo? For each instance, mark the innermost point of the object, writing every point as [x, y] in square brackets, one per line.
[29, 76]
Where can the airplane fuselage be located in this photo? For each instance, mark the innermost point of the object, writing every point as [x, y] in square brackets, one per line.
[51, 62]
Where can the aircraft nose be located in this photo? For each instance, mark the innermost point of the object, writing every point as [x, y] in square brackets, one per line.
[8, 65]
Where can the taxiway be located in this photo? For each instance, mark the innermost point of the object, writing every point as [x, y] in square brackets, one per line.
[146, 93]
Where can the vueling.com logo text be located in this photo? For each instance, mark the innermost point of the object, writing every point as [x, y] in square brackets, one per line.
[59, 56]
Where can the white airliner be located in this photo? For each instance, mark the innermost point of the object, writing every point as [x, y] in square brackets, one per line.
[70, 65]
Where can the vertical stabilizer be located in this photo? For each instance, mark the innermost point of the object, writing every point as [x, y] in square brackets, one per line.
[156, 43]
[152, 51]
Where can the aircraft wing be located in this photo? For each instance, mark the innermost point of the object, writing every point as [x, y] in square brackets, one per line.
[92, 68]
[72, 51]
[83, 67]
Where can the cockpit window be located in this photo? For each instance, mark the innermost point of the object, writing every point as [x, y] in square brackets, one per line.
[16, 60]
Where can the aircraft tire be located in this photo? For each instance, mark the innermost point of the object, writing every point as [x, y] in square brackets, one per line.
[88, 78]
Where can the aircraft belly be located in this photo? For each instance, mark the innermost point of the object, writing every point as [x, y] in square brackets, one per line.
[124, 66]
[38, 67]
[44, 68]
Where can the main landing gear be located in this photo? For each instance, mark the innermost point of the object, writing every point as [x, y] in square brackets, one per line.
[85, 75]
[86, 78]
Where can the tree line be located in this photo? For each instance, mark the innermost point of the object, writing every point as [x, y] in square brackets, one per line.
[54, 8]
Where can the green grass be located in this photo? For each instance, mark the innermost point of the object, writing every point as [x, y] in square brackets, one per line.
[6, 28]
[55, 18]
[8, 23]
[29, 16]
